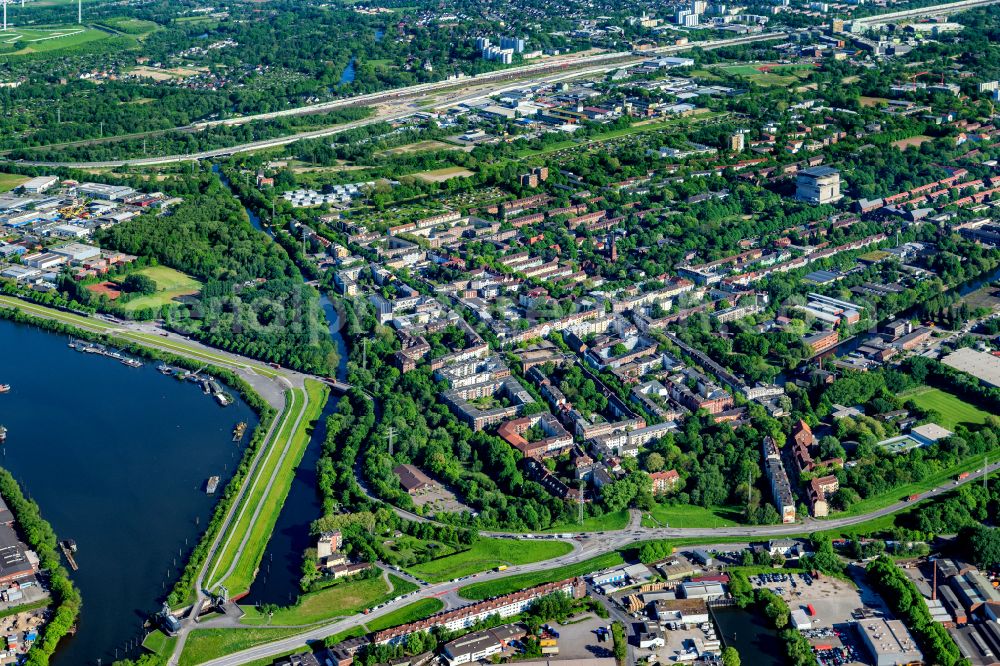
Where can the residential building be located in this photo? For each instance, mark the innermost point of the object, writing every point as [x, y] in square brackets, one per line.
[504, 606]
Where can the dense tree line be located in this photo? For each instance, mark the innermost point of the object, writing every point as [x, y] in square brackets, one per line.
[253, 300]
[907, 603]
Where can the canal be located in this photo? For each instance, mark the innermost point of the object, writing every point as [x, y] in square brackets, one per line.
[281, 568]
[277, 581]
[117, 458]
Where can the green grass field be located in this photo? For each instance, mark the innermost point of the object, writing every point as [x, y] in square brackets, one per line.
[9, 181]
[23, 41]
[686, 515]
[131, 26]
[206, 644]
[171, 285]
[345, 598]
[284, 469]
[418, 610]
[486, 554]
[159, 643]
[492, 588]
[953, 410]
[609, 521]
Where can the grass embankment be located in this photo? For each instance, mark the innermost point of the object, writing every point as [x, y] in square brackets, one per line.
[309, 402]
[159, 643]
[170, 285]
[345, 598]
[205, 644]
[685, 515]
[418, 610]
[486, 554]
[508, 584]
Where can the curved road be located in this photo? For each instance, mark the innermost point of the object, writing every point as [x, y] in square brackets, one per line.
[590, 546]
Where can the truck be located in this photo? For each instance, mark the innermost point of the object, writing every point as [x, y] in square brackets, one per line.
[963, 476]
[913, 497]
[502, 567]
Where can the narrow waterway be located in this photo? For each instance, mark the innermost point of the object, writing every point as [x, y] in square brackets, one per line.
[347, 76]
[848, 346]
[281, 568]
[117, 459]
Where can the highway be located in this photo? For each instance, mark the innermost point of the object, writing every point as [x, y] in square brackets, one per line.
[401, 103]
[925, 12]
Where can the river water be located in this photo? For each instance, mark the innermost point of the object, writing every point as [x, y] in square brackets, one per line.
[117, 459]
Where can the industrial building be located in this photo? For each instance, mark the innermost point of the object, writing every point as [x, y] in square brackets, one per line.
[889, 642]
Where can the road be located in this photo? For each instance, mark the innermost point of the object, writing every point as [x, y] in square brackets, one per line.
[403, 102]
[590, 546]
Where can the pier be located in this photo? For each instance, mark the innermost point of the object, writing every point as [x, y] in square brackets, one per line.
[67, 550]
[94, 348]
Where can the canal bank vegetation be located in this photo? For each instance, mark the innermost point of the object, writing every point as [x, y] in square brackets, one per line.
[908, 604]
[240, 558]
[42, 539]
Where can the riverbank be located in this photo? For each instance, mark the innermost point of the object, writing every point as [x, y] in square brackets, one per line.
[42, 539]
[117, 458]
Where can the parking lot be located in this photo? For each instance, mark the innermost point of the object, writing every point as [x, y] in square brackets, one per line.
[835, 602]
[578, 639]
[833, 599]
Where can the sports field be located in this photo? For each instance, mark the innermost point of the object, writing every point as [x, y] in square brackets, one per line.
[171, 285]
[952, 410]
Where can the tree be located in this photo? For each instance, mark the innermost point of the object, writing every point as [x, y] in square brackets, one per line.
[730, 657]
[138, 283]
[983, 544]
[654, 462]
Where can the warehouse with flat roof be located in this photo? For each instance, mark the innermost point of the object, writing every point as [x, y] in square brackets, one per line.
[889, 642]
[983, 366]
